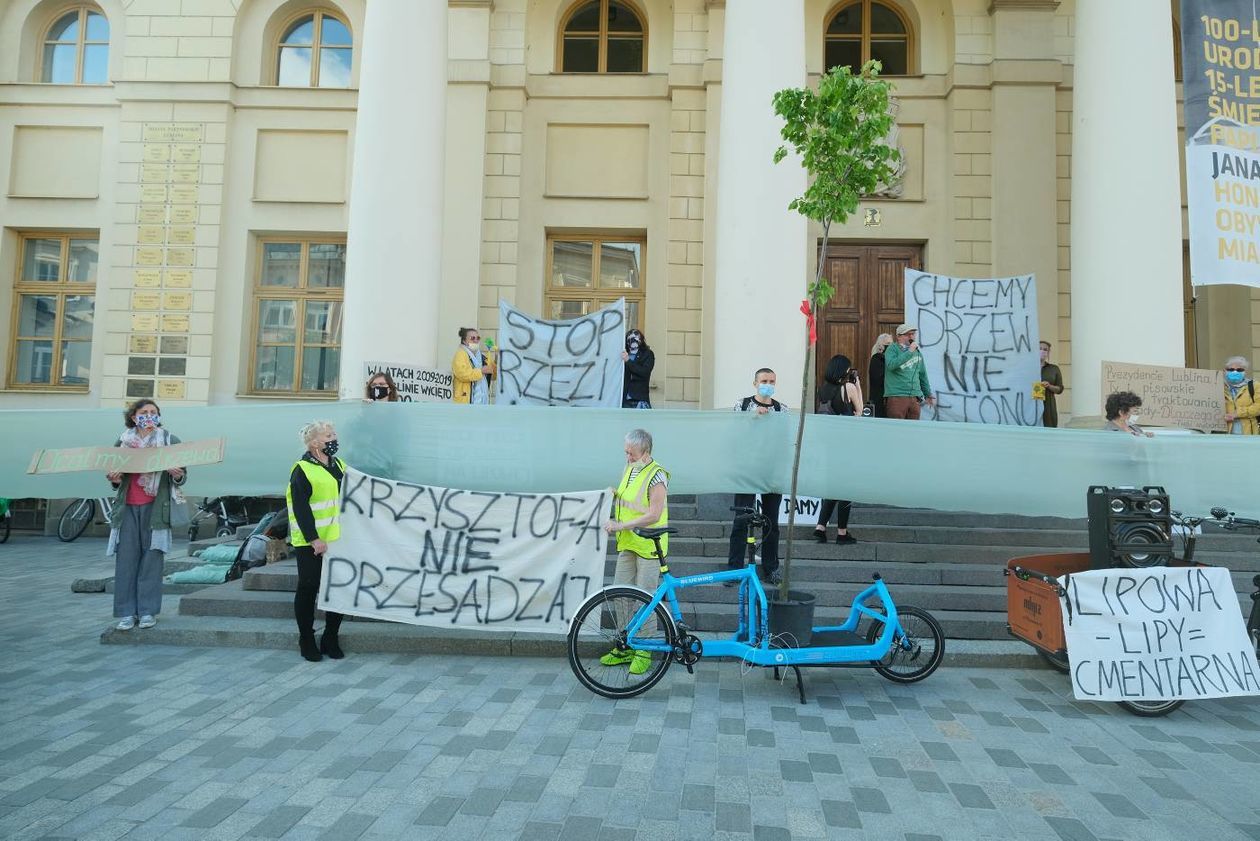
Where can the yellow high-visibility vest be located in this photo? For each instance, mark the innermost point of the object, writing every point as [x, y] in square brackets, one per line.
[630, 502]
[325, 502]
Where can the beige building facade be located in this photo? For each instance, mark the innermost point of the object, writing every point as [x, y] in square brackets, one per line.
[232, 201]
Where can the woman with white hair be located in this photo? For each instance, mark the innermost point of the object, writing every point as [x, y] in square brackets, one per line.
[314, 495]
[875, 374]
[1242, 411]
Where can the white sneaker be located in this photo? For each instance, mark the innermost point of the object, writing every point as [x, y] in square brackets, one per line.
[126, 623]
[147, 621]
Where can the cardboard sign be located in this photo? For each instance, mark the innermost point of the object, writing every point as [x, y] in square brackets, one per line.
[1192, 398]
[1157, 634]
[415, 384]
[436, 556]
[128, 459]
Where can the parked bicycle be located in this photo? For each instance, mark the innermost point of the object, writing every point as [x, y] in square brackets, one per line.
[620, 624]
[79, 514]
[1228, 521]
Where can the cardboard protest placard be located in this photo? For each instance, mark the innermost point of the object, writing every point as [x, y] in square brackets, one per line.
[415, 384]
[979, 341]
[573, 362]
[437, 556]
[806, 509]
[1157, 634]
[128, 459]
[1192, 398]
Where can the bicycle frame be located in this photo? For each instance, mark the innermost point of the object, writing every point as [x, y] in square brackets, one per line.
[755, 648]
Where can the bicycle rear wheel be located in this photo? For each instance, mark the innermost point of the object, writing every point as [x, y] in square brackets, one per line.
[1150, 709]
[916, 651]
[598, 633]
[74, 520]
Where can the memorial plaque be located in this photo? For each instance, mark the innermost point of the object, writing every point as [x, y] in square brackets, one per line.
[139, 388]
[151, 214]
[141, 365]
[174, 324]
[147, 278]
[156, 153]
[176, 300]
[153, 173]
[174, 345]
[172, 366]
[143, 344]
[172, 132]
[183, 214]
[150, 235]
[179, 278]
[171, 389]
[152, 193]
[142, 300]
[144, 322]
[185, 173]
[186, 153]
[181, 236]
[179, 257]
[184, 194]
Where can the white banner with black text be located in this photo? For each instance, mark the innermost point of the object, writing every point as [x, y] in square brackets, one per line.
[574, 362]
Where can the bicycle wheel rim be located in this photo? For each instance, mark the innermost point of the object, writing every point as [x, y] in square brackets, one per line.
[1150, 709]
[74, 520]
[926, 647]
[597, 630]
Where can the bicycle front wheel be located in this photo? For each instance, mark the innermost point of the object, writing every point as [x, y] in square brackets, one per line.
[74, 520]
[598, 652]
[917, 649]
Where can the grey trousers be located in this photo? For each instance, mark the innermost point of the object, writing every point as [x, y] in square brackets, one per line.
[137, 568]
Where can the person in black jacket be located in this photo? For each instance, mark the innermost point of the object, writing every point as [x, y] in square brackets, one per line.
[639, 361]
[875, 378]
[840, 394]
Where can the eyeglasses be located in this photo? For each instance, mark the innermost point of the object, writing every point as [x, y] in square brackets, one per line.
[1235, 369]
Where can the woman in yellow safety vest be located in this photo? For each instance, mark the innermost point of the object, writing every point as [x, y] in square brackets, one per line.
[313, 495]
[640, 501]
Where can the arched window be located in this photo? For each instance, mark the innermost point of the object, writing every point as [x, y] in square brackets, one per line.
[603, 36]
[76, 49]
[860, 30]
[315, 52]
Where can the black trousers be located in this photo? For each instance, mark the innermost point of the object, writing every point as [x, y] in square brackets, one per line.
[770, 504]
[309, 565]
[841, 507]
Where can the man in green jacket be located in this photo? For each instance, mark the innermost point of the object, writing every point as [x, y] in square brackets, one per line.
[905, 376]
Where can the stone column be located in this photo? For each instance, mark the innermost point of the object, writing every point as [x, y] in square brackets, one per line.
[1126, 198]
[394, 241]
[761, 245]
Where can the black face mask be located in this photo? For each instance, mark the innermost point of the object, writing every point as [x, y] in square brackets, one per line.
[380, 392]
[330, 449]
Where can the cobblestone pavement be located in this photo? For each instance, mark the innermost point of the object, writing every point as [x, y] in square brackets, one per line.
[137, 742]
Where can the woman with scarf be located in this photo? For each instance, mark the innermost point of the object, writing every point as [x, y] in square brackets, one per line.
[471, 369]
[639, 361]
[140, 522]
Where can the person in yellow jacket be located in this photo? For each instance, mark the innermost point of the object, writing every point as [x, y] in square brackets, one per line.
[640, 500]
[471, 369]
[314, 498]
[1242, 410]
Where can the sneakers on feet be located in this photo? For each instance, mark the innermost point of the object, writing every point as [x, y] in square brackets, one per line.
[147, 621]
[775, 577]
[126, 623]
[640, 663]
[845, 539]
[617, 657]
[820, 536]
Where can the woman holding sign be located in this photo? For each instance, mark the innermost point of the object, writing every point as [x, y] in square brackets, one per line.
[140, 521]
[314, 496]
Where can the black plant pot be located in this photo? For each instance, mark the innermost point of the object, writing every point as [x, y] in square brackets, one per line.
[792, 621]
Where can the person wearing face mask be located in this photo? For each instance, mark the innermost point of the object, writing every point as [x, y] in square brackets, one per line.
[1121, 411]
[639, 361]
[641, 500]
[380, 388]
[1052, 382]
[875, 375]
[762, 403]
[1242, 412]
[140, 521]
[472, 369]
[313, 496]
[905, 376]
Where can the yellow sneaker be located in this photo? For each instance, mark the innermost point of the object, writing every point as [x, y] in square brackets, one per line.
[617, 657]
[641, 662]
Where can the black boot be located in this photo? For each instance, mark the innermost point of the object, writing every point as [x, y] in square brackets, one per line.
[328, 645]
[306, 644]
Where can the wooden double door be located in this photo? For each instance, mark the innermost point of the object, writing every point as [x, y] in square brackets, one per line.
[869, 299]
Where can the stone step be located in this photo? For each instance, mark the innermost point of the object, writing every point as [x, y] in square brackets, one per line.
[717, 507]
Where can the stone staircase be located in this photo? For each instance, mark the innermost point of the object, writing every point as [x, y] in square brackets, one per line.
[949, 563]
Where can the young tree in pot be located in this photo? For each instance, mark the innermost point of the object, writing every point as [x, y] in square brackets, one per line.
[840, 132]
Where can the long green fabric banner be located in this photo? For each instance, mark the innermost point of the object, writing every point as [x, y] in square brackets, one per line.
[947, 466]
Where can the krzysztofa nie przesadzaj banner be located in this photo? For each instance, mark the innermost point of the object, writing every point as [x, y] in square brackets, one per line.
[979, 340]
[1157, 634]
[1222, 139]
[439, 556]
[562, 363]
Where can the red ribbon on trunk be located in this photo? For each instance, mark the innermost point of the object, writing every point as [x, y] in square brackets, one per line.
[810, 320]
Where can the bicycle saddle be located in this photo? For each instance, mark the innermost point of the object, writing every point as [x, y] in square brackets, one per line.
[653, 533]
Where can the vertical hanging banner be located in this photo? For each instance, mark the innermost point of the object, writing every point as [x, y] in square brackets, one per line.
[574, 362]
[438, 556]
[1220, 42]
[979, 341]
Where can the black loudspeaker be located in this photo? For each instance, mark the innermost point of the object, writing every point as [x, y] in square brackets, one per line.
[1129, 527]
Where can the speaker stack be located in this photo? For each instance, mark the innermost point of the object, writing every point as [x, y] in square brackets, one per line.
[1129, 527]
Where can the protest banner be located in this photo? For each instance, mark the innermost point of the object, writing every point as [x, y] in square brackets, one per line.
[414, 383]
[425, 555]
[979, 341]
[1222, 79]
[1191, 398]
[575, 362]
[128, 459]
[1163, 633]
[806, 509]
